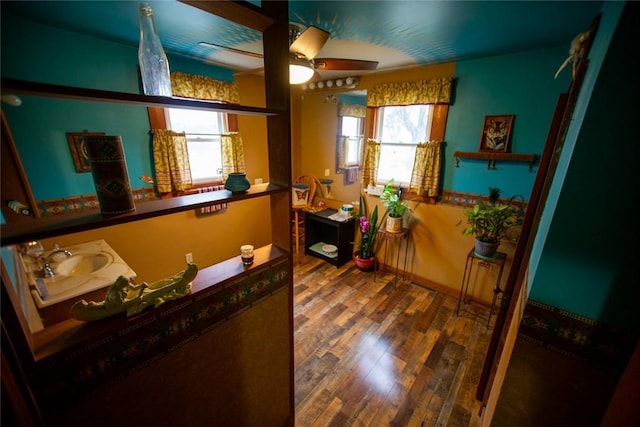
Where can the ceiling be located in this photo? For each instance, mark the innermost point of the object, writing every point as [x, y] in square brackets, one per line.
[398, 33]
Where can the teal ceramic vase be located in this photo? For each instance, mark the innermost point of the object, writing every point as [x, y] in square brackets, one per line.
[237, 182]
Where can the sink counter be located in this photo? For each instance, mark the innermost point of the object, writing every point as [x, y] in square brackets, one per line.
[92, 266]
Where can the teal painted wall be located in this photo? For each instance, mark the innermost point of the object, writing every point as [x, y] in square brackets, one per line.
[588, 263]
[521, 84]
[34, 52]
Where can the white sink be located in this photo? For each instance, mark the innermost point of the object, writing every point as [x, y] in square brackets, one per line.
[84, 263]
[92, 266]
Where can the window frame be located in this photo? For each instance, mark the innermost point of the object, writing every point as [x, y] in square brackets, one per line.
[438, 126]
[339, 156]
[158, 120]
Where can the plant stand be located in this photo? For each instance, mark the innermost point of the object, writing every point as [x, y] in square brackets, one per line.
[498, 259]
[399, 237]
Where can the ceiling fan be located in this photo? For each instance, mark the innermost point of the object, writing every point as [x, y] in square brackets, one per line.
[304, 45]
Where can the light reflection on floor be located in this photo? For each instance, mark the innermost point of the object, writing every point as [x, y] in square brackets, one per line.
[376, 365]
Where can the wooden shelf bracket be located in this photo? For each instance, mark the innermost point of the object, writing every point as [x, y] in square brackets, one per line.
[492, 157]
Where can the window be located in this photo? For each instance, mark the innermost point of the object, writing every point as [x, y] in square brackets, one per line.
[399, 130]
[203, 130]
[353, 128]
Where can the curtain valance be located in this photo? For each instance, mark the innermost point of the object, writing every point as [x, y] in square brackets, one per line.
[434, 91]
[354, 110]
[202, 87]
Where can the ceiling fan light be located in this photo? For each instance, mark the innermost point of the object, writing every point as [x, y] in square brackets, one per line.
[299, 73]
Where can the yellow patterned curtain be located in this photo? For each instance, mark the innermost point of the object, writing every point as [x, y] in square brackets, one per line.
[202, 87]
[425, 177]
[232, 154]
[434, 91]
[171, 160]
[352, 110]
[343, 146]
[370, 162]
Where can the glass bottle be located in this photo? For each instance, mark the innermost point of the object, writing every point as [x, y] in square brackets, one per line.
[154, 66]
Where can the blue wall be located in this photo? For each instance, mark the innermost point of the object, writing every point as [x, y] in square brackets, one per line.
[34, 52]
[587, 264]
[521, 84]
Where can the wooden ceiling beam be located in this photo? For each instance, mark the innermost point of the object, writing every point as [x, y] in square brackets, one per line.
[240, 12]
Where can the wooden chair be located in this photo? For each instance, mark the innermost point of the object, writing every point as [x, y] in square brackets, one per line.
[298, 209]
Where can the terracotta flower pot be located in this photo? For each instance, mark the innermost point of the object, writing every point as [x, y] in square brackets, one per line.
[364, 264]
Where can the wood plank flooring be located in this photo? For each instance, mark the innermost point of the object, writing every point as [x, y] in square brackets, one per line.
[368, 353]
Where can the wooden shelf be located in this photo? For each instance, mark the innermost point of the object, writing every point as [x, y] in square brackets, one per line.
[492, 157]
[21, 87]
[63, 224]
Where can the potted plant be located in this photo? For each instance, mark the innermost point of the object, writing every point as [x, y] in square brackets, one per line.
[368, 226]
[396, 207]
[488, 222]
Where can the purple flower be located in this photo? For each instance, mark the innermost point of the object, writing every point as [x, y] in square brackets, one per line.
[364, 224]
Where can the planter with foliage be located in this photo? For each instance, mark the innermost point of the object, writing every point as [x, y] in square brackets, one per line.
[396, 207]
[368, 226]
[488, 222]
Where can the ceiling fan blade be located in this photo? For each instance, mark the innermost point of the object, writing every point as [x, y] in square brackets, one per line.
[232, 50]
[252, 71]
[309, 42]
[344, 64]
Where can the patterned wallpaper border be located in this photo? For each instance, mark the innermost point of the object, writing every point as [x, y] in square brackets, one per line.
[85, 202]
[67, 205]
[467, 200]
[600, 345]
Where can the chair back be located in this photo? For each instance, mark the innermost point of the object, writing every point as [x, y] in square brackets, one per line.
[310, 182]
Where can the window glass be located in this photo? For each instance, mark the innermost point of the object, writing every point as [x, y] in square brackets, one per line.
[203, 130]
[399, 129]
[352, 128]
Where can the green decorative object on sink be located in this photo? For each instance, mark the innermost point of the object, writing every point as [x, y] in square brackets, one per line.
[123, 296]
[237, 182]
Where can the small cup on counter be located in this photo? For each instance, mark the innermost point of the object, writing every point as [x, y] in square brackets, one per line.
[246, 253]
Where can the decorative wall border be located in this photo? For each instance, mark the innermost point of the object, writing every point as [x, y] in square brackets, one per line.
[593, 342]
[467, 200]
[65, 379]
[85, 202]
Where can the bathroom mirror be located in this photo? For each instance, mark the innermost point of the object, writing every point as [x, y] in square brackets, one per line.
[326, 118]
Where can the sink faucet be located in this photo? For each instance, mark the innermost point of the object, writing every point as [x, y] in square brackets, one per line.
[57, 254]
[47, 271]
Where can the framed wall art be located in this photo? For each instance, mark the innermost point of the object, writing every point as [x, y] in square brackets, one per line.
[496, 133]
[79, 150]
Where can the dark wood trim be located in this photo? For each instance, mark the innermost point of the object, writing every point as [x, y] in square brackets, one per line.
[544, 178]
[21, 87]
[240, 12]
[439, 123]
[72, 223]
[15, 185]
[157, 118]
[523, 251]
